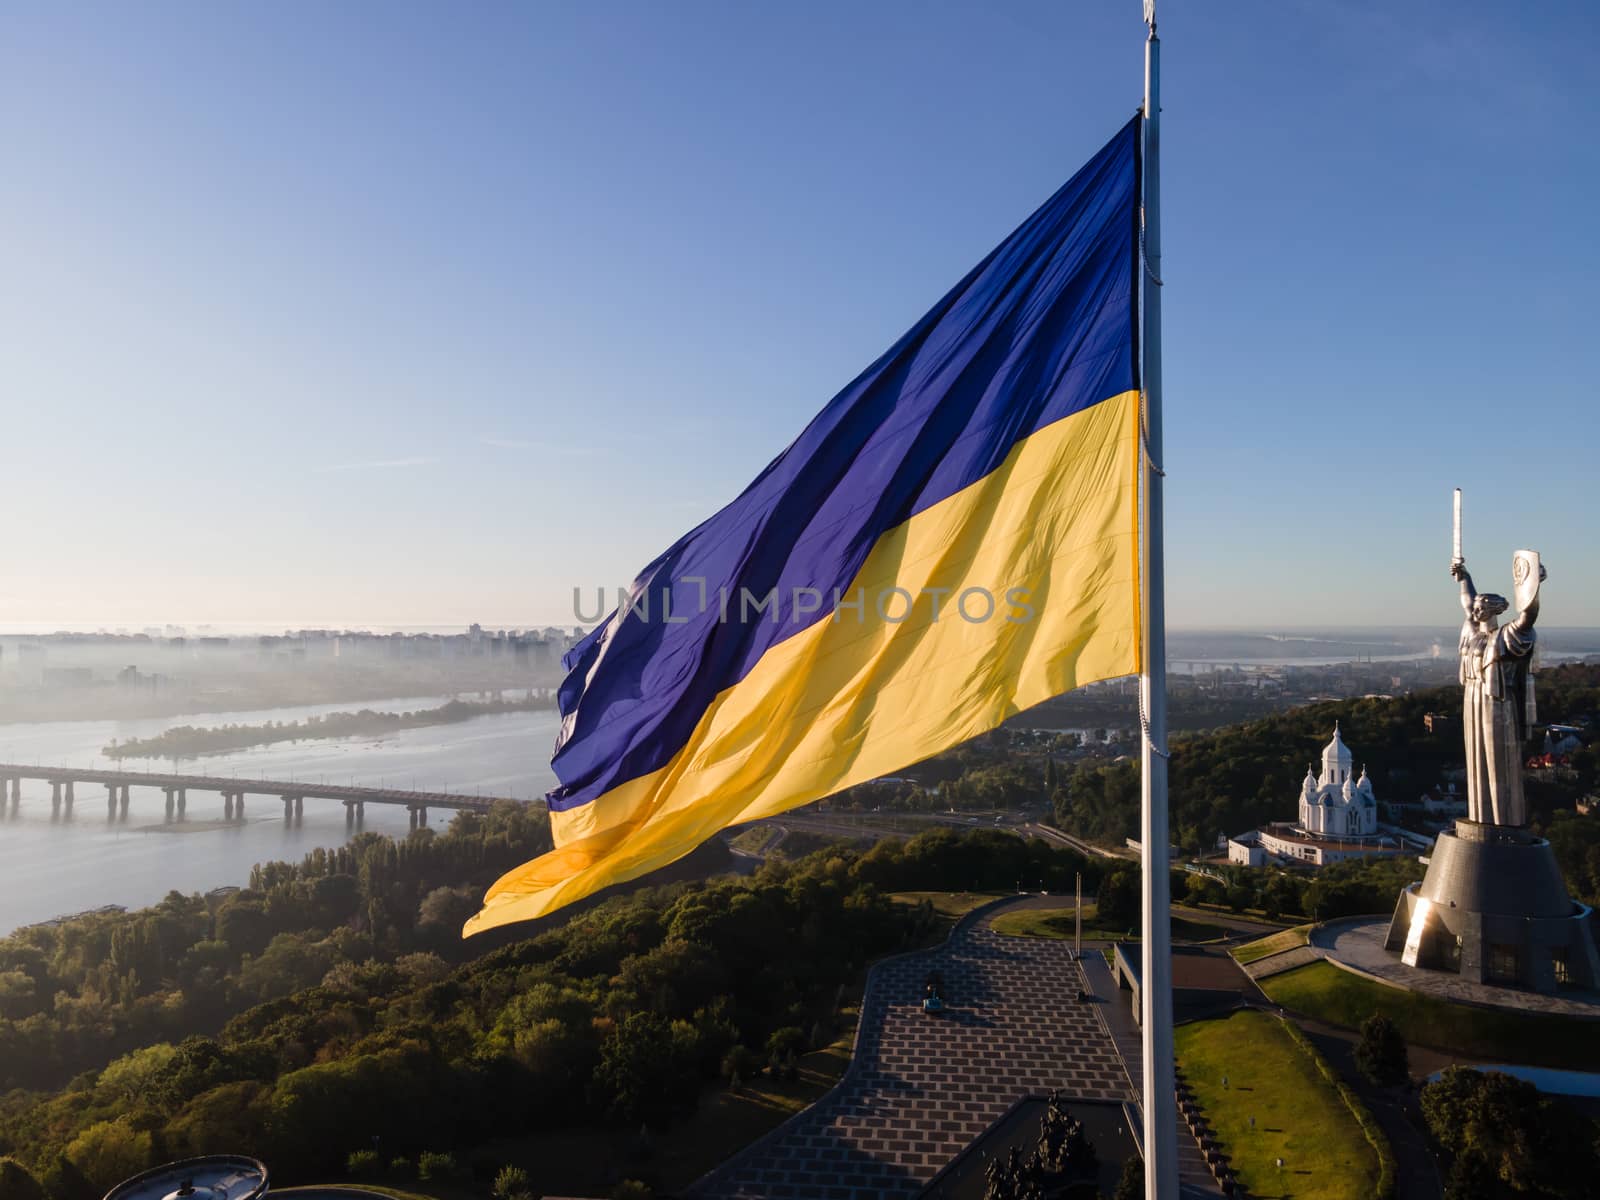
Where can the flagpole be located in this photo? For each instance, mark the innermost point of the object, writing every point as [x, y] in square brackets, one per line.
[1155, 992]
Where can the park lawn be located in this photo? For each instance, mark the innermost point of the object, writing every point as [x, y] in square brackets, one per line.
[950, 905]
[1060, 923]
[752, 840]
[1273, 943]
[589, 1161]
[1340, 997]
[1300, 1116]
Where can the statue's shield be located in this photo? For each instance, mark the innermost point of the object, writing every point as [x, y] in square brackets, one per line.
[1524, 578]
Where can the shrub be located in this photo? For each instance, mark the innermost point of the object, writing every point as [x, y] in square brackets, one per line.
[510, 1182]
[785, 1041]
[742, 1062]
[363, 1164]
[434, 1165]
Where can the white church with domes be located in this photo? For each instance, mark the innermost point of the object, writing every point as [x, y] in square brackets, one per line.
[1338, 820]
[1333, 802]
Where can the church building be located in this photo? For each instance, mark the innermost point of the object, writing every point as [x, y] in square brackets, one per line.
[1338, 820]
[1335, 803]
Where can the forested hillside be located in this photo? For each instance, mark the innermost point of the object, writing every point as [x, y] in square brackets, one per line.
[358, 1026]
[76, 993]
[1234, 779]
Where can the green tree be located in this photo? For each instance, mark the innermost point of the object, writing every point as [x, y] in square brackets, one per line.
[644, 1074]
[134, 1076]
[18, 994]
[229, 1118]
[18, 1183]
[740, 1065]
[108, 1152]
[1130, 1184]
[1203, 889]
[1117, 903]
[62, 1180]
[1508, 1140]
[1381, 1053]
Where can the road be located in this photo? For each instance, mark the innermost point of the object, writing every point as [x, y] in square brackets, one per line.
[878, 825]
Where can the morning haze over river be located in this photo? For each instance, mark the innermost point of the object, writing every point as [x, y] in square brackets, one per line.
[52, 868]
[56, 867]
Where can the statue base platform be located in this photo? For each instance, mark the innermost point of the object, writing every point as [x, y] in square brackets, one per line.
[1493, 909]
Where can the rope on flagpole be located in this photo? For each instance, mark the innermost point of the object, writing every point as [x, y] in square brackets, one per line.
[1144, 725]
[1145, 258]
[1144, 434]
[1144, 439]
[1149, 461]
[1144, 424]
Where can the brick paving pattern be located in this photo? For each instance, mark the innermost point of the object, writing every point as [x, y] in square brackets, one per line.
[922, 1087]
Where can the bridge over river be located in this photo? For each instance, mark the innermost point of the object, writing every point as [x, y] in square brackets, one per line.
[64, 782]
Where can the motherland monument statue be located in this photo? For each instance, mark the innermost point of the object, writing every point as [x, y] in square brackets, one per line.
[1493, 906]
[1496, 673]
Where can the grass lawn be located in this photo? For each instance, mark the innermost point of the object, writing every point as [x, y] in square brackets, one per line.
[1323, 991]
[590, 1162]
[1299, 1114]
[1273, 943]
[752, 840]
[950, 905]
[1060, 923]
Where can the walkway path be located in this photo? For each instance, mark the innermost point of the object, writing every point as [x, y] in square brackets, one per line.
[920, 1088]
[1284, 960]
[1116, 1007]
[1358, 942]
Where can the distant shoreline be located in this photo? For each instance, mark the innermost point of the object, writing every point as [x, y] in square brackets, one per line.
[189, 741]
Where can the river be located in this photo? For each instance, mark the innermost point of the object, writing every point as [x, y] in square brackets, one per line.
[48, 868]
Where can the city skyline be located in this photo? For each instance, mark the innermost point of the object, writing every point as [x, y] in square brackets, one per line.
[340, 322]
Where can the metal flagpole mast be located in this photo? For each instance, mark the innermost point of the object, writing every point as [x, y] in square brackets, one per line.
[1155, 991]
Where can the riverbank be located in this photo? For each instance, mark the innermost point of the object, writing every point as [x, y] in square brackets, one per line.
[55, 867]
[190, 741]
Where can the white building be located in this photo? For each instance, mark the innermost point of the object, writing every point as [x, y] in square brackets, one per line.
[1333, 802]
[1338, 820]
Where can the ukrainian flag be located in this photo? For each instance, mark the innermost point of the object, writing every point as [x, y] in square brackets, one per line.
[953, 539]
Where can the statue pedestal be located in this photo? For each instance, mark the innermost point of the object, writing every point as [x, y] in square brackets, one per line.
[1493, 908]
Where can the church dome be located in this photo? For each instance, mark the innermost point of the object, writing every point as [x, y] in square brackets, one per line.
[1336, 753]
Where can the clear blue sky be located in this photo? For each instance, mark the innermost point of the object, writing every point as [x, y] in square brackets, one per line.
[396, 313]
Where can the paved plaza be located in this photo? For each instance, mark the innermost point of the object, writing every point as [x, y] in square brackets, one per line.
[922, 1087]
